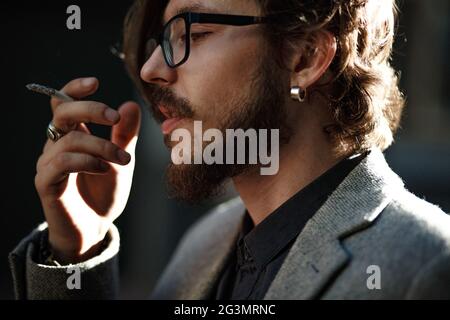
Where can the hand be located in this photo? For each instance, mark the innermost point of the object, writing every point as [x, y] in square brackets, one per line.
[84, 181]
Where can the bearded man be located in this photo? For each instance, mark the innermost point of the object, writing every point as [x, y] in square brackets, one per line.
[334, 221]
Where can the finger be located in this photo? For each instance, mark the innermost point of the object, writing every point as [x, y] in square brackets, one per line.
[77, 89]
[80, 142]
[82, 128]
[47, 145]
[69, 115]
[128, 126]
[64, 164]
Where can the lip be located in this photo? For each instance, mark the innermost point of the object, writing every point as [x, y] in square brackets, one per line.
[171, 120]
[169, 113]
[165, 111]
[170, 124]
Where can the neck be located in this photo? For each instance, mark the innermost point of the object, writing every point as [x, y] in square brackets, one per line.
[307, 156]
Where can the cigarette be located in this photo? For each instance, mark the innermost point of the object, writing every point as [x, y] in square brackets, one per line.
[49, 92]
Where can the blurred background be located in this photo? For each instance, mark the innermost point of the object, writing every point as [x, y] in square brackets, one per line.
[37, 47]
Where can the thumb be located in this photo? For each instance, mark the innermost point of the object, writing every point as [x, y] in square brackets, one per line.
[128, 127]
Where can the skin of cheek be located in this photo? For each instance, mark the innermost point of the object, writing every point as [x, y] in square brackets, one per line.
[218, 73]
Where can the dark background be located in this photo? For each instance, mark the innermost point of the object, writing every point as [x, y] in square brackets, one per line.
[37, 47]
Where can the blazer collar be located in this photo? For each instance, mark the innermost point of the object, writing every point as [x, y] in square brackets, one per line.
[317, 255]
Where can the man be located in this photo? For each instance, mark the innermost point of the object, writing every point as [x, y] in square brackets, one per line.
[333, 222]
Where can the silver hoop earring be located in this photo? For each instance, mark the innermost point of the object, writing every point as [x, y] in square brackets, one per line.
[299, 94]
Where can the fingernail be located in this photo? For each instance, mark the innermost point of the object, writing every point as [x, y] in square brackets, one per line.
[88, 82]
[123, 156]
[111, 115]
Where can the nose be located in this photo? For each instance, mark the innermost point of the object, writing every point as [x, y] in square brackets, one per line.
[156, 71]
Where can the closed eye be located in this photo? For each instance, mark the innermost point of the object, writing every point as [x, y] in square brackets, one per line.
[195, 36]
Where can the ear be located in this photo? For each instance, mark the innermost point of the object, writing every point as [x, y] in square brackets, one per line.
[312, 62]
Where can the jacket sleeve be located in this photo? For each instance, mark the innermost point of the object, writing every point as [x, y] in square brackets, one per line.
[96, 278]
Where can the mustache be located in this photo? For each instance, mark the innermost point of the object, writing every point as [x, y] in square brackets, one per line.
[174, 106]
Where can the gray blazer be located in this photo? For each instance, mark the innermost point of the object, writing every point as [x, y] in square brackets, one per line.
[372, 239]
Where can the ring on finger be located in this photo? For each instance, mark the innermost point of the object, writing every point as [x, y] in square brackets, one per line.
[54, 133]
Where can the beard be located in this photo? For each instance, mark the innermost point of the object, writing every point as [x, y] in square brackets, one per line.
[264, 107]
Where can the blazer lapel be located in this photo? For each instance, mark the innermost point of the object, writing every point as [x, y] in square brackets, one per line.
[215, 255]
[317, 254]
[195, 268]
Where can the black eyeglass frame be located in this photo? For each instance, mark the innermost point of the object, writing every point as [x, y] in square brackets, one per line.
[192, 17]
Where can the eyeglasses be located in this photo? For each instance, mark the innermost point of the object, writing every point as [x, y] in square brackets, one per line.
[175, 40]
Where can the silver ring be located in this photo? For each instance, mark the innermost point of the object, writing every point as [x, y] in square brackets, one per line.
[54, 133]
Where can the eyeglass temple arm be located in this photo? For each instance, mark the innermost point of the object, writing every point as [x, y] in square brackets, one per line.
[225, 19]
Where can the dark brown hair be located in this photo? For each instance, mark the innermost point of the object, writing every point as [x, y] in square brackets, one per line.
[366, 103]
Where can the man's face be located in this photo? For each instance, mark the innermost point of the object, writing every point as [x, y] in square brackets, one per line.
[230, 81]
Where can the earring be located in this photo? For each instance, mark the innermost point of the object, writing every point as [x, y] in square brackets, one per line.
[297, 93]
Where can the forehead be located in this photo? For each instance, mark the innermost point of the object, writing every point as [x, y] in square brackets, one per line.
[243, 7]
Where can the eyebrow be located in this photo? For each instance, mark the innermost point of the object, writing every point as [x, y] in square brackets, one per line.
[196, 7]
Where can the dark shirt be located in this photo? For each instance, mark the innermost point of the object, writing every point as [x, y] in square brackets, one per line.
[261, 250]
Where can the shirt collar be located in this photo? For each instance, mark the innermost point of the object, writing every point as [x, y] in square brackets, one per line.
[264, 242]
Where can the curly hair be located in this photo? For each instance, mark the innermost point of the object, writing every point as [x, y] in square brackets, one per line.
[365, 102]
